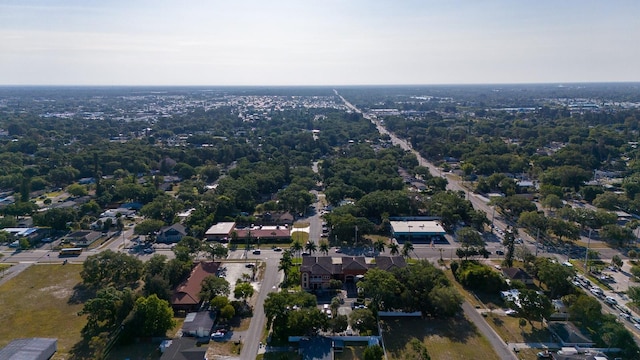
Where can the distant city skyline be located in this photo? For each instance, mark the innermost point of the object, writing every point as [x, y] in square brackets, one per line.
[355, 42]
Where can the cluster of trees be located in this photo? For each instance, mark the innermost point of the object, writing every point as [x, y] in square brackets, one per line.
[419, 287]
[604, 329]
[569, 223]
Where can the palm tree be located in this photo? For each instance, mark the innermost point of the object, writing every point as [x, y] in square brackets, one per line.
[324, 247]
[394, 249]
[311, 247]
[285, 264]
[296, 246]
[379, 245]
[407, 248]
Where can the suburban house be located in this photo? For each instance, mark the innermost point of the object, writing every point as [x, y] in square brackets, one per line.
[220, 231]
[186, 297]
[171, 234]
[277, 218]
[83, 237]
[517, 274]
[198, 324]
[317, 272]
[183, 348]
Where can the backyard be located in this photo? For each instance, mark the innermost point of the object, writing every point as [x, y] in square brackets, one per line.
[44, 301]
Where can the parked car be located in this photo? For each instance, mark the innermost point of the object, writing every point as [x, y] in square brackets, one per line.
[609, 300]
[256, 252]
[499, 252]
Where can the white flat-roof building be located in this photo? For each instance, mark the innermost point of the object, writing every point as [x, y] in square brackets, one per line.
[220, 231]
[417, 230]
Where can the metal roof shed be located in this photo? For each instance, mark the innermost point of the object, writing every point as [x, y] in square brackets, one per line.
[29, 349]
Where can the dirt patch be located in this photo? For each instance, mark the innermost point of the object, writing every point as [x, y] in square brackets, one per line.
[58, 292]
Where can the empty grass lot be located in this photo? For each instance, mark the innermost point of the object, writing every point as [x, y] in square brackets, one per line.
[42, 302]
[454, 338]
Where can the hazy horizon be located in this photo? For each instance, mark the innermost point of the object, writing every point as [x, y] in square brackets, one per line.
[329, 43]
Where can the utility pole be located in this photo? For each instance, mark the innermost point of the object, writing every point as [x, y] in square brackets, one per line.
[493, 217]
[537, 236]
[356, 241]
[586, 256]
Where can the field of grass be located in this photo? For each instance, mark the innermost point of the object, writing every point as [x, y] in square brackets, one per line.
[43, 301]
[455, 338]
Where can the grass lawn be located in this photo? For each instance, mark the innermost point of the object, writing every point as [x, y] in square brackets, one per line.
[509, 330]
[301, 236]
[455, 338]
[42, 301]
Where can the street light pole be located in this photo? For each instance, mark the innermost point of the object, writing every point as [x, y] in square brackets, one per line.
[493, 217]
[537, 236]
[586, 256]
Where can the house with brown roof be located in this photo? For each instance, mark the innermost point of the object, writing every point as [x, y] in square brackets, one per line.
[389, 263]
[317, 272]
[517, 274]
[186, 296]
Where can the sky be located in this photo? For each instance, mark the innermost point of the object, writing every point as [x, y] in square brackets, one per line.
[317, 42]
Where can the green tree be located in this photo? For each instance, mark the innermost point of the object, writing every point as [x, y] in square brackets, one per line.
[552, 201]
[243, 290]
[556, 276]
[216, 251]
[509, 243]
[153, 316]
[363, 321]
[285, 264]
[446, 301]
[382, 287]
[470, 241]
[107, 309]
[57, 219]
[311, 247]
[586, 309]
[77, 190]
[534, 306]
[394, 248]
[296, 247]
[634, 294]
[374, 352]
[617, 235]
[227, 312]
[110, 268]
[324, 247]
[407, 248]
[616, 261]
[339, 323]
[148, 227]
[564, 229]
[416, 350]
[379, 245]
[213, 286]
